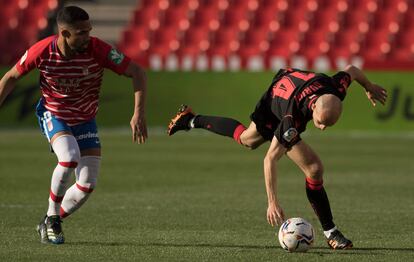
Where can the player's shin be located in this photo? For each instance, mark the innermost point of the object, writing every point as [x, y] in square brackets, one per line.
[220, 125]
[86, 178]
[320, 203]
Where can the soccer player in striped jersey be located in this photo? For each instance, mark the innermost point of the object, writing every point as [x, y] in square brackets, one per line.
[294, 98]
[71, 66]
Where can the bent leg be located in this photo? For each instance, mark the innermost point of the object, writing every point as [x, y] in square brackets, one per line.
[86, 179]
[251, 138]
[309, 162]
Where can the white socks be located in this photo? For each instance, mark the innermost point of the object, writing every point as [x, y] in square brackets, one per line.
[86, 178]
[67, 151]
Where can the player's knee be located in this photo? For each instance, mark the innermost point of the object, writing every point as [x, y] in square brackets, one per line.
[315, 170]
[251, 145]
[67, 150]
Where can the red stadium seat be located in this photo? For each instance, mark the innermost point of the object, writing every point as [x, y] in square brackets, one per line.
[147, 17]
[376, 45]
[207, 18]
[266, 18]
[236, 18]
[176, 17]
[284, 43]
[135, 40]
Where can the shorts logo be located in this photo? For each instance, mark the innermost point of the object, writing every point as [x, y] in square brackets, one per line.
[290, 134]
[116, 57]
[87, 136]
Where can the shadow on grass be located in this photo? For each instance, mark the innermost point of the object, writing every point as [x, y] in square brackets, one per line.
[315, 250]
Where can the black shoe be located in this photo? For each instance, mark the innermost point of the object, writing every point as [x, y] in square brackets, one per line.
[50, 230]
[337, 241]
[181, 121]
[41, 229]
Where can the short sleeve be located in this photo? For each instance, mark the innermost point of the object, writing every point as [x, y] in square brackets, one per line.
[287, 134]
[342, 81]
[29, 60]
[110, 57]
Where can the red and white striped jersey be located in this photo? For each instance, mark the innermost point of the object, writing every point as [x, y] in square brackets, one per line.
[70, 87]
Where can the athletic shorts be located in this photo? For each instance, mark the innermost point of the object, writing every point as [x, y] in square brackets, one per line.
[86, 134]
[266, 122]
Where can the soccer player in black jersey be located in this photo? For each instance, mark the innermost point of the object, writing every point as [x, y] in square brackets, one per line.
[293, 98]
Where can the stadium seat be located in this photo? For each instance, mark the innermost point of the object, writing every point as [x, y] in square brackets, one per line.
[376, 45]
[176, 17]
[266, 19]
[236, 18]
[207, 17]
[147, 17]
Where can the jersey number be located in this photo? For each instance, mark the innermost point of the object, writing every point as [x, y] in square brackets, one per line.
[283, 88]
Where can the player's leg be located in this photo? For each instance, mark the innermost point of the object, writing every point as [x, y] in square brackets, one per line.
[87, 170]
[65, 147]
[309, 162]
[186, 119]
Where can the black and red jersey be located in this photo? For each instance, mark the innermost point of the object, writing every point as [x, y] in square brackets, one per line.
[291, 95]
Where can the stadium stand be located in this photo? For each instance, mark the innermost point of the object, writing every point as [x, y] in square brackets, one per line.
[256, 35]
[235, 34]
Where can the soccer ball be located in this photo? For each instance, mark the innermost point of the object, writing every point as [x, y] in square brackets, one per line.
[296, 235]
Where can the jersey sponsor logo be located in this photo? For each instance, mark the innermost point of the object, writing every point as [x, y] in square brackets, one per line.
[115, 56]
[67, 85]
[24, 57]
[290, 134]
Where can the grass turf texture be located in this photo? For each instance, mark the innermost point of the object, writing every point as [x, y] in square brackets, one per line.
[199, 197]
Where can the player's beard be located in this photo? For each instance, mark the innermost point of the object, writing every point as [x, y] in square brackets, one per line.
[81, 48]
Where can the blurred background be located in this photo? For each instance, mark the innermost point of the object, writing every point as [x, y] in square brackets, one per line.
[228, 48]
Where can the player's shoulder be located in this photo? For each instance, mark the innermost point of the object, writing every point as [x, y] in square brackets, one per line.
[96, 42]
[42, 45]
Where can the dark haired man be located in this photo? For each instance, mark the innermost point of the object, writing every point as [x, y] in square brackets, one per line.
[293, 98]
[71, 66]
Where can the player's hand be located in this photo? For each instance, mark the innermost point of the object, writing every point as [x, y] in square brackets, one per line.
[139, 128]
[376, 93]
[275, 215]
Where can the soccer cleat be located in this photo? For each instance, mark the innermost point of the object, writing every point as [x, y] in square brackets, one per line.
[337, 241]
[41, 229]
[50, 230]
[181, 121]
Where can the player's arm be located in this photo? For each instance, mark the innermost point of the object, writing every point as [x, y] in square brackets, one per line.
[138, 122]
[374, 92]
[275, 215]
[8, 82]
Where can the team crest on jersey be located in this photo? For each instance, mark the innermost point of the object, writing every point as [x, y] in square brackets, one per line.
[115, 56]
[290, 134]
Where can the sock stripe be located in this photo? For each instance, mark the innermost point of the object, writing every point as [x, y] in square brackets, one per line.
[84, 189]
[314, 184]
[55, 198]
[63, 213]
[69, 164]
[237, 132]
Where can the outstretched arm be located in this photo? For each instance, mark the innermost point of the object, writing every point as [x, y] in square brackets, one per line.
[275, 215]
[374, 92]
[138, 122]
[8, 82]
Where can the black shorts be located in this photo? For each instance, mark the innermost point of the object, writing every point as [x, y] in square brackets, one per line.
[266, 122]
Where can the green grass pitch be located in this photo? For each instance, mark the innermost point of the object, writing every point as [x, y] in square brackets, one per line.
[199, 197]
